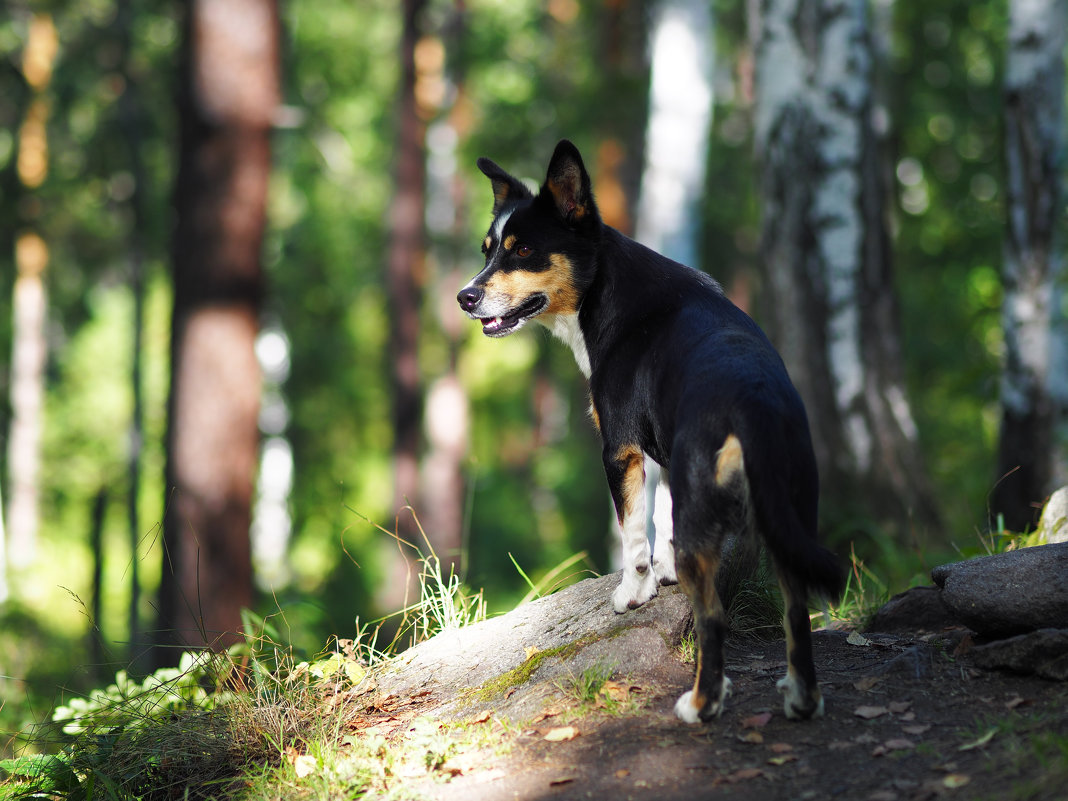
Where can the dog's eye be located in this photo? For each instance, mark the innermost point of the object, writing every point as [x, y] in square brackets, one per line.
[523, 251]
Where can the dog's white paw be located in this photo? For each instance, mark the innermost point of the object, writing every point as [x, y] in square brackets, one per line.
[664, 570]
[794, 701]
[685, 710]
[634, 590]
[688, 713]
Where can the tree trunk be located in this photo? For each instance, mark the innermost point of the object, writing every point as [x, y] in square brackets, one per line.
[228, 94]
[1034, 381]
[832, 309]
[404, 282]
[29, 306]
[445, 416]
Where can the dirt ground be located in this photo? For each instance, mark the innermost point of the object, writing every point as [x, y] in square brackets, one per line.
[906, 718]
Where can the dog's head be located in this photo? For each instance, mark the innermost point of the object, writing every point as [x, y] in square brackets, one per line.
[539, 249]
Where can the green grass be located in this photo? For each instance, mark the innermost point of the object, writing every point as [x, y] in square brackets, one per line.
[253, 722]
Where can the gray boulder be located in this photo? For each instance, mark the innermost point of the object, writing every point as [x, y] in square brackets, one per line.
[912, 611]
[1053, 526]
[1008, 593]
[1043, 653]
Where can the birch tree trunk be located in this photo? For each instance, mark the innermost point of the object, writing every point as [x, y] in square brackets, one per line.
[29, 305]
[831, 305]
[1034, 381]
[229, 93]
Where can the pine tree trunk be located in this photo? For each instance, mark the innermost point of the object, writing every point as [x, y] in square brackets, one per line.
[831, 305]
[1034, 382]
[404, 283]
[229, 92]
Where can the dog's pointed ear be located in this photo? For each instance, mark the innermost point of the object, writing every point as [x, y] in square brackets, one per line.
[505, 187]
[568, 183]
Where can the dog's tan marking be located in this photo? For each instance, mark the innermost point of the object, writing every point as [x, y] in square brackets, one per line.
[729, 460]
[596, 418]
[509, 242]
[556, 283]
[487, 243]
[633, 477]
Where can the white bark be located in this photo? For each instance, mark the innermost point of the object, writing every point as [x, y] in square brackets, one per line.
[1034, 385]
[676, 147]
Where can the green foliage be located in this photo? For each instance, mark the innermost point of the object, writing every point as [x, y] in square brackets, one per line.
[194, 684]
[586, 687]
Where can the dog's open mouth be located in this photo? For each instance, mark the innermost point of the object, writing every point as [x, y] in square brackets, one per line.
[504, 325]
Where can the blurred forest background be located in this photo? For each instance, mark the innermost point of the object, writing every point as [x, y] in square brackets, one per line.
[232, 231]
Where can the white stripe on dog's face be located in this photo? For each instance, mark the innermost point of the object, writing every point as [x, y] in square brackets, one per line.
[499, 223]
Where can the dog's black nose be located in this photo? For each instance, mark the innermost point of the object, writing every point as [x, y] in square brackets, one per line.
[469, 297]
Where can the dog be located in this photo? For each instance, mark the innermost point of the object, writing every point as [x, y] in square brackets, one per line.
[680, 375]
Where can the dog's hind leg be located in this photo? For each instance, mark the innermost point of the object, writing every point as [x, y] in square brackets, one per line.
[801, 694]
[625, 469]
[664, 544]
[705, 514]
[697, 576]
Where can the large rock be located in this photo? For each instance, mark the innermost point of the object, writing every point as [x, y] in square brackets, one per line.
[1043, 653]
[1053, 526]
[536, 644]
[910, 612]
[1008, 593]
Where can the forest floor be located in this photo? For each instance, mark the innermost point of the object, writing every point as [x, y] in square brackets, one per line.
[906, 718]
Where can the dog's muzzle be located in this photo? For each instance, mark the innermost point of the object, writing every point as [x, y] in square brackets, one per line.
[498, 324]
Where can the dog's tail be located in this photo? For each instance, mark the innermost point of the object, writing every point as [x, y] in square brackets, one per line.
[784, 490]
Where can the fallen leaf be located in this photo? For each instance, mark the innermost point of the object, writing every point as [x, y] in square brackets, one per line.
[866, 683]
[899, 744]
[615, 691]
[869, 712]
[955, 780]
[781, 748]
[532, 651]
[511, 691]
[964, 646]
[986, 738]
[548, 712]
[910, 715]
[304, 765]
[897, 707]
[917, 729]
[756, 721]
[561, 780]
[839, 745]
[622, 773]
[1012, 703]
[752, 737]
[561, 734]
[745, 774]
[782, 760]
[482, 717]
[856, 638]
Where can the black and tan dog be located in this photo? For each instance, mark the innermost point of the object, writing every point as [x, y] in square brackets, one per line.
[680, 375]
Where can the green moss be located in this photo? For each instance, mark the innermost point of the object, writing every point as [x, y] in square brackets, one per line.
[520, 675]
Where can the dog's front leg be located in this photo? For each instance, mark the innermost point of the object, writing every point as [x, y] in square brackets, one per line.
[664, 546]
[625, 469]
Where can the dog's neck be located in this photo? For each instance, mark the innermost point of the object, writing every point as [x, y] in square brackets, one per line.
[567, 328]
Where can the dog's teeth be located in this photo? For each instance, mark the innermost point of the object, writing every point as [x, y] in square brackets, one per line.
[497, 320]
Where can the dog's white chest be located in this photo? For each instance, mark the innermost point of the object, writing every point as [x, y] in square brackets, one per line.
[566, 327]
